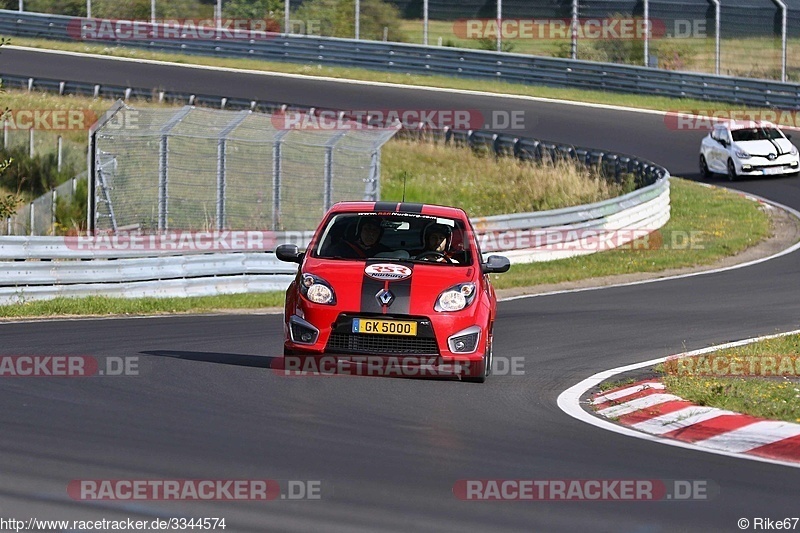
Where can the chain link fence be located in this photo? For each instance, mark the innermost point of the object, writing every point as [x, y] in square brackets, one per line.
[200, 169]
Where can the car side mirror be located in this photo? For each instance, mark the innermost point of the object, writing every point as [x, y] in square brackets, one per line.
[496, 264]
[723, 142]
[289, 253]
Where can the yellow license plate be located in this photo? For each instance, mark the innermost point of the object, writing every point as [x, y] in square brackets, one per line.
[384, 327]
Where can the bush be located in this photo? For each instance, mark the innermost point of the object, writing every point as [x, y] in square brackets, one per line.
[336, 18]
[253, 9]
[34, 175]
[71, 213]
[487, 43]
[674, 55]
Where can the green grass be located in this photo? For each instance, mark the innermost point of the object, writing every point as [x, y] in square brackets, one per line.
[721, 222]
[579, 95]
[484, 185]
[745, 56]
[775, 397]
[101, 305]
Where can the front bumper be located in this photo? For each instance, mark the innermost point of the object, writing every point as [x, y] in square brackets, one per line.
[758, 166]
[452, 343]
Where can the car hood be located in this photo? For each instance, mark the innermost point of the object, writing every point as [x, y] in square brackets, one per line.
[764, 147]
[415, 294]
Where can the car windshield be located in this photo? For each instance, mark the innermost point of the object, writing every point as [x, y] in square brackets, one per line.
[404, 236]
[756, 134]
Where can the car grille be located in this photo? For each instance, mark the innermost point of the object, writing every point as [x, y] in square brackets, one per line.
[381, 344]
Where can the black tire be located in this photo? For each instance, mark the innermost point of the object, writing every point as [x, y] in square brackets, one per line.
[704, 172]
[484, 370]
[731, 171]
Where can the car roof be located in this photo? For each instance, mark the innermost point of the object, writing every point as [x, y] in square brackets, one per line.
[399, 207]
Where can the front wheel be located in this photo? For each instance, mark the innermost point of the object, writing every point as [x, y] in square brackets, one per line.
[704, 172]
[732, 171]
[484, 369]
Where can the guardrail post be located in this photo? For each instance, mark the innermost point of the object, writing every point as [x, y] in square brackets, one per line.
[30, 219]
[31, 148]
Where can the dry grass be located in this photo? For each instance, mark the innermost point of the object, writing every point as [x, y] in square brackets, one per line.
[482, 184]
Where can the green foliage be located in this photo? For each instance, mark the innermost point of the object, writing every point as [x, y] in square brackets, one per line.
[487, 43]
[253, 9]
[73, 8]
[71, 212]
[35, 175]
[130, 9]
[674, 55]
[336, 18]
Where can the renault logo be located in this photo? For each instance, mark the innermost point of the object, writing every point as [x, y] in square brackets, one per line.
[385, 297]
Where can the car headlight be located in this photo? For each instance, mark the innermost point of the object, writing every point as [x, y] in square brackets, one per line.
[317, 290]
[456, 298]
[793, 151]
[741, 154]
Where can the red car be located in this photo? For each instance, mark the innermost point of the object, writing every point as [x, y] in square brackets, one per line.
[393, 283]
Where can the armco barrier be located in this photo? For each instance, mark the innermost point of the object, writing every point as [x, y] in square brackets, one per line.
[34, 268]
[409, 58]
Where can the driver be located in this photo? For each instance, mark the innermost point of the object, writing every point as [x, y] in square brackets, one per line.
[367, 243]
[437, 244]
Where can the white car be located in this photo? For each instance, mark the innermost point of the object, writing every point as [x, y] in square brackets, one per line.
[747, 149]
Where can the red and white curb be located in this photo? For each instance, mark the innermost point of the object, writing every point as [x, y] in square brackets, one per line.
[647, 406]
[648, 411]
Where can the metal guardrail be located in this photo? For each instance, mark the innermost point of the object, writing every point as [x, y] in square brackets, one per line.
[64, 265]
[409, 58]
